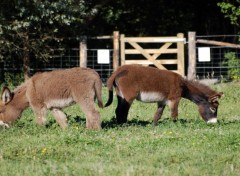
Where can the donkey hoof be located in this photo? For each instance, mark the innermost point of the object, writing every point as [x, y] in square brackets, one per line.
[174, 120]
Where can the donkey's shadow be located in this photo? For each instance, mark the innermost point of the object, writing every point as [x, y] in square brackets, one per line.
[112, 123]
[71, 120]
[133, 122]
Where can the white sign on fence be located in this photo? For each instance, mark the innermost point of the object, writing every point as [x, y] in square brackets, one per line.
[204, 54]
[103, 56]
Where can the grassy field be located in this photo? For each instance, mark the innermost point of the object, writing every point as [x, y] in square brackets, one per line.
[187, 147]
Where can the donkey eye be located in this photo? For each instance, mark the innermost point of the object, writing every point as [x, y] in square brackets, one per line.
[212, 109]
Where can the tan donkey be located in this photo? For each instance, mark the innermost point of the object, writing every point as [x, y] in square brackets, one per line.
[53, 91]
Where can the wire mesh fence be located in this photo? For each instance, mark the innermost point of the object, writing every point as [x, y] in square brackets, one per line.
[218, 67]
[104, 70]
[215, 68]
[68, 60]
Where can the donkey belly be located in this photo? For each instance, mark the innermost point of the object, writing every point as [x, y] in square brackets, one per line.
[59, 103]
[150, 97]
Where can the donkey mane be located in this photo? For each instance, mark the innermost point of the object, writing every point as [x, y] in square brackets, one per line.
[197, 88]
[21, 87]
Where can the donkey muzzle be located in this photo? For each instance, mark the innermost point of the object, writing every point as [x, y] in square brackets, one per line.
[212, 120]
[4, 125]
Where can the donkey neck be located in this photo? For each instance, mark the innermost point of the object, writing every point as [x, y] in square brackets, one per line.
[195, 97]
[196, 92]
[19, 102]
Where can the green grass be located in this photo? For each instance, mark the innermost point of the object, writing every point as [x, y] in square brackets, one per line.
[187, 147]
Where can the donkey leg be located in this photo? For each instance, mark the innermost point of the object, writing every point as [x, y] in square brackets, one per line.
[60, 117]
[40, 115]
[122, 110]
[86, 101]
[93, 120]
[174, 109]
[158, 113]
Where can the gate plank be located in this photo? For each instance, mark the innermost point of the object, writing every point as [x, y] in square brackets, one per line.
[148, 56]
[151, 51]
[152, 55]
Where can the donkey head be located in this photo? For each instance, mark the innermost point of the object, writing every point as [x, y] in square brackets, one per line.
[6, 108]
[208, 109]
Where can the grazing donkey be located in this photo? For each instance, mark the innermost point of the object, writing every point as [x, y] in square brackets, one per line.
[54, 90]
[150, 84]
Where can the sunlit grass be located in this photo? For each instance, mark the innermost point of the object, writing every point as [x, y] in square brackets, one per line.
[187, 147]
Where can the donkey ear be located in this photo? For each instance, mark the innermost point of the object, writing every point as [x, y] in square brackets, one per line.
[6, 95]
[215, 97]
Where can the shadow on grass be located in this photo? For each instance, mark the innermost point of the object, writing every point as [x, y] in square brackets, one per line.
[112, 123]
[136, 122]
[71, 120]
[229, 122]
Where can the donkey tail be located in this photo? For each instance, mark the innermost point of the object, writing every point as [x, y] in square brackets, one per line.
[111, 82]
[110, 98]
[98, 91]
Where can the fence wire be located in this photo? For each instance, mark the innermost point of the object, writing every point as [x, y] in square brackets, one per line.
[216, 68]
[104, 70]
[212, 69]
[68, 60]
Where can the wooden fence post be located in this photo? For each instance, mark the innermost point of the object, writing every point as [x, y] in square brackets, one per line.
[191, 55]
[180, 54]
[115, 50]
[122, 49]
[83, 52]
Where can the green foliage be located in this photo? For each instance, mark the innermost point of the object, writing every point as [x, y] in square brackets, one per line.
[13, 79]
[231, 11]
[232, 62]
[187, 147]
[36, 27]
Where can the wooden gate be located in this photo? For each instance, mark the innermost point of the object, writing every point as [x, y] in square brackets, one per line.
[171, 46]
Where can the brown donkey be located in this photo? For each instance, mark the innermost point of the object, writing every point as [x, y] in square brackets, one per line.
[54, 90]
[164, 87]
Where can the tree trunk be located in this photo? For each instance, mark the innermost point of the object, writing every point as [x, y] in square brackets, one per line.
[26, 59]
